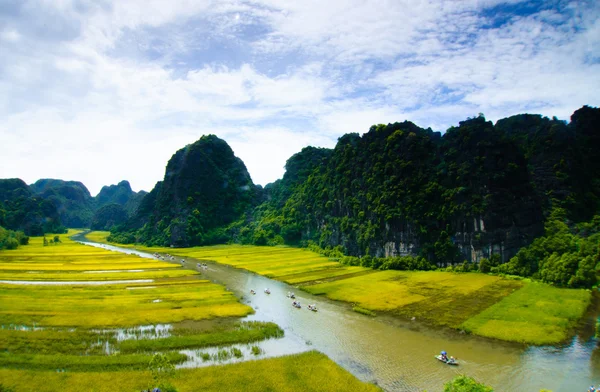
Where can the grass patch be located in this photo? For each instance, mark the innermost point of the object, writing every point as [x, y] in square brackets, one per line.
[283, 374]
[244, 332]
[366, 312]
[98, 236]
[537, 313]
[81, 362]
[256, 350]
[54, 342]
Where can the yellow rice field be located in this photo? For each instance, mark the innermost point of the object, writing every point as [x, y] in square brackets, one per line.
[166, 294]
[47, 329]
[283, 374]
[482, 304]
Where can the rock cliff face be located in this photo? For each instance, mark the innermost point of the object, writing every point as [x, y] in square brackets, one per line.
[482, 189]
[205, 187]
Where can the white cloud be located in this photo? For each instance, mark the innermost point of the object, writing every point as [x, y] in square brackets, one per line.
[105, 91]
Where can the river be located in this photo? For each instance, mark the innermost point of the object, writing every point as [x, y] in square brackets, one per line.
[399, 355]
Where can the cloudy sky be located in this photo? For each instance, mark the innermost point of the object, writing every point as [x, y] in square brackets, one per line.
[104, 90]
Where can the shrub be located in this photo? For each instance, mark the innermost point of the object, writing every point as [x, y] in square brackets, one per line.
[466, 384]
[256, 350]
[11, 243]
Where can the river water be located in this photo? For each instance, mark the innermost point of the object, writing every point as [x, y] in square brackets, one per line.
[399, 355]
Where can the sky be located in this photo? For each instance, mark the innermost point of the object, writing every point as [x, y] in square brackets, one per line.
[99, 91]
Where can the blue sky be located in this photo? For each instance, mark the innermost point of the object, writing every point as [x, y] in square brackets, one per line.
[100, 91]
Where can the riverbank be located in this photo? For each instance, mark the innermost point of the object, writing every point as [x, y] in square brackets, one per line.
[485, 305]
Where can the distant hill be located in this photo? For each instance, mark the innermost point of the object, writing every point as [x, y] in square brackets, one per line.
[108, 216]
[21, 210]
[73, 200]
[76, 207]
[120, 194]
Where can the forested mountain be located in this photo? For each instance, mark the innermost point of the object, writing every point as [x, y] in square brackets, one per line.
[21, 210]
[205, 188]
[120, 194]
[108, 216]
[77, 208]
[478, 190]
[73, 200]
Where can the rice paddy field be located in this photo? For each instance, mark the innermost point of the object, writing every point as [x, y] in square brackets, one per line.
[490, 306]
[310, 371]
[71, 312]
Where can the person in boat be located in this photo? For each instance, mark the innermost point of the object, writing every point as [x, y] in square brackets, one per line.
[444, 356]
[452, 359]
[592, 389]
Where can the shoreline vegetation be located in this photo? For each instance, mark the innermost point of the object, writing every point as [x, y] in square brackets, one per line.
[492, 306]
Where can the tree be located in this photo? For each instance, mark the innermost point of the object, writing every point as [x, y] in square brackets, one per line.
[162, 371]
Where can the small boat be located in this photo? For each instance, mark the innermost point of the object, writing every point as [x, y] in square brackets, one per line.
[447, 361]
[296, 304]
[291, 295]
[252, 292]
[267, 291]
[312, 307]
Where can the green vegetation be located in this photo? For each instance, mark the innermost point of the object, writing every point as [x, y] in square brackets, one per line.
[480, 192]
[256, 350]
[120, 194]
[20, 210]
[440, 298]
[108, 216]
[98, 236]
[538, 314]
[285, 374]
[466, 384]
[245, 332]
[563, 256]
[72, 199]
[162, 372]
[81, 363]
[207, 188]
[12, 239]
[366, 312]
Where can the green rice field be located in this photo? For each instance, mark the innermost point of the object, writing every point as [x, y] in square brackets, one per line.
[538, 313]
